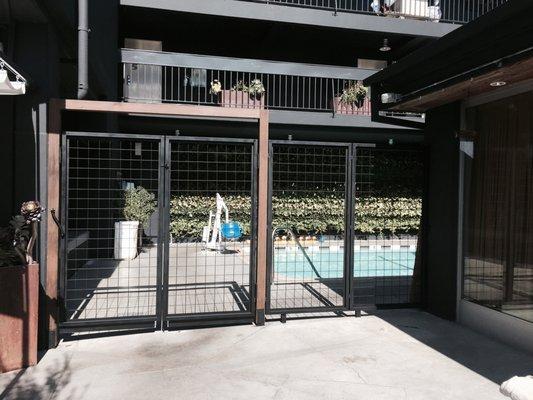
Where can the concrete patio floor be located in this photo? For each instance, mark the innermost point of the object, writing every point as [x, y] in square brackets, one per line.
[397, 354]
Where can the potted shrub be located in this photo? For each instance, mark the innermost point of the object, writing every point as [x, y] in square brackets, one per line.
[139, 205]
[351, 100]
[19, 289]
[242, 95]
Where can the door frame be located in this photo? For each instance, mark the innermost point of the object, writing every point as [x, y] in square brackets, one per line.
[270, 249]
[349, 225]
[70, 326]
[168, 321]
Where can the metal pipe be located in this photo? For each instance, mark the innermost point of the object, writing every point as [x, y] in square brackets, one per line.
[83, 48]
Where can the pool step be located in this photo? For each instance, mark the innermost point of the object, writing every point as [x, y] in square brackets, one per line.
[372, 247]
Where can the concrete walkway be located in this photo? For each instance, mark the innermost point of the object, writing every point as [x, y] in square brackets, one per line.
[393, 355]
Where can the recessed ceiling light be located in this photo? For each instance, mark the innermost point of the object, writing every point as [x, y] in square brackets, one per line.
[385, 46]
[498, 83]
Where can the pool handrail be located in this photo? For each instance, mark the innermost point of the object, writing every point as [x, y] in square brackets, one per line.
[297, 241]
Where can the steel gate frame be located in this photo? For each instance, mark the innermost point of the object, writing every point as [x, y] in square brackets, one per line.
[349, 218]
[220, 318]
[161, 320]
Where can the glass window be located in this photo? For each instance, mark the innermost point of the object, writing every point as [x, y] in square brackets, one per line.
[498, 218]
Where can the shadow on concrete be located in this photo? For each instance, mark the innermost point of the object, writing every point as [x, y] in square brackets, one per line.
[56, 379]
[489, 358]
[70, 337]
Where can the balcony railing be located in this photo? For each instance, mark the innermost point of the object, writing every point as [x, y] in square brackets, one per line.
[451, 11]
[240, 83]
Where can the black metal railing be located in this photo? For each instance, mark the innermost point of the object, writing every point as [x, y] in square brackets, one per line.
[159, 77]
[451, 11]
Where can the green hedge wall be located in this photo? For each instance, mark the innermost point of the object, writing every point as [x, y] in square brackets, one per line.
[312, 214]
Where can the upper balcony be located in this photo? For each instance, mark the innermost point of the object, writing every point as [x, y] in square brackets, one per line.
[413, 18]
[295, 93]
[448, 11]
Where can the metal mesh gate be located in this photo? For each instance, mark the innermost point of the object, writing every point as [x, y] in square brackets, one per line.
[206, 277]
[387, 217]
[110, 268]
[142, 244]
[319, 189]
[308, 219]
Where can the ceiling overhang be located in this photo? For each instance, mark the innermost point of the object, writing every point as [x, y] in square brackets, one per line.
[436, 96]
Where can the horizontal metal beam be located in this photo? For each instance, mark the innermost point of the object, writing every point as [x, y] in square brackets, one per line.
[326, 119]
[297, 15]
[242, 65]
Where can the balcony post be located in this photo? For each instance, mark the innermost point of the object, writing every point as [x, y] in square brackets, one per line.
[262, 225]
[52, 251]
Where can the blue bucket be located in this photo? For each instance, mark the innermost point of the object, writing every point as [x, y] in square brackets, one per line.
[231, 230]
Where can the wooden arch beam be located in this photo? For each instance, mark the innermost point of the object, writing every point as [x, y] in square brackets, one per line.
[55, 110]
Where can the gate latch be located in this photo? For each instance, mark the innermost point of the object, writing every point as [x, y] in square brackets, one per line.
[54, 217]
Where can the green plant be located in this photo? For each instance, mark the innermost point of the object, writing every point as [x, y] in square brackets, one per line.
[305, 213]
[18, 239]
[240, 87]
[255, 88]
[216, 87]
[8, 254]
[353, 93]
[139, 205]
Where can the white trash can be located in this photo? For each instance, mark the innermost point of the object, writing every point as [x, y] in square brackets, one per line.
[126, 234]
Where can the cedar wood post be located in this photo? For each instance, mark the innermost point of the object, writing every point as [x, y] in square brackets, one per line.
[262, 212]
[56, 107]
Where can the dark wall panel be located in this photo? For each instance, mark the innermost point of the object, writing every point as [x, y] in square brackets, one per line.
[442, 210]
[6, 158]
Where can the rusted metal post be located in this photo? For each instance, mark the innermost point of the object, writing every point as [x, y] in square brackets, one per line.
[52, 251]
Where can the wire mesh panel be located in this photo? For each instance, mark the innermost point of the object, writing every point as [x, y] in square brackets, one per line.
[388, 209]
[308, 226]
[111, 246]
[211, 227]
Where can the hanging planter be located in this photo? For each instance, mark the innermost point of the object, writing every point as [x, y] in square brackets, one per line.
[352, 100]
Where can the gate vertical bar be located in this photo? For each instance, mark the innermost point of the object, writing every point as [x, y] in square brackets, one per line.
[163, 236]
[63, 215]
[350, 216]
[253, 250]
[270, 244]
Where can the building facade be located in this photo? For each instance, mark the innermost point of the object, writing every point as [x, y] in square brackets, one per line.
[258, 104]
[479, 104]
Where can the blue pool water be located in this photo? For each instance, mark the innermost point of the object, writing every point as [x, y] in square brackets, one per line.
[330, 263]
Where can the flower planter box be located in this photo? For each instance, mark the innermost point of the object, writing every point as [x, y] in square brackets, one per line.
[19, 304]
[350, 109]
[240, 99]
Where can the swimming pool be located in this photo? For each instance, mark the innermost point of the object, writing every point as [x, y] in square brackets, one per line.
[328, 263]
